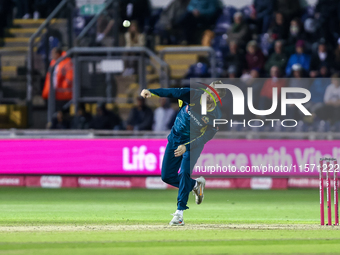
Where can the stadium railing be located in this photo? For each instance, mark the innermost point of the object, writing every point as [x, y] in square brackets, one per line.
[96, 54]
[28, 133]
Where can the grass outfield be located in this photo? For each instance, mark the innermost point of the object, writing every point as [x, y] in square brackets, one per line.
[93, 221]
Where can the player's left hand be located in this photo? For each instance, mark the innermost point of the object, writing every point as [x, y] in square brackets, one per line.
[145, 93]
[180, 150]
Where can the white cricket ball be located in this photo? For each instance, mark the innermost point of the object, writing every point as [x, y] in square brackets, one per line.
[126, 23]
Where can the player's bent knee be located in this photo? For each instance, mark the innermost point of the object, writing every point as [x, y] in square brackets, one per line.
[166, 179]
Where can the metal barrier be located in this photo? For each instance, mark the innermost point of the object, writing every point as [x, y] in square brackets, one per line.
[83, 134]
[76, 54]
[175, 50]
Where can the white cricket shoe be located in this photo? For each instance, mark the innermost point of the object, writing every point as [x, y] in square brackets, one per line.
[177, 220]
[198, 191]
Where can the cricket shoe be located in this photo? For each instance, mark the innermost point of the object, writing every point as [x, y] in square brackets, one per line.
[177, 220]
[199, 189]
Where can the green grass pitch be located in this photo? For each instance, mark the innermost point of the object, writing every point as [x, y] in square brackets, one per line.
[99, 221]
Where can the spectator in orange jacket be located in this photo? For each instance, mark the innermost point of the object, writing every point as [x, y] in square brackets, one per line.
[63, 77]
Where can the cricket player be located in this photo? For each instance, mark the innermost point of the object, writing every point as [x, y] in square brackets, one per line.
[190, 132]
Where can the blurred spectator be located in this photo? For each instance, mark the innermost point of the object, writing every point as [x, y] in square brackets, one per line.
[266, 94]
[228, 99]
[327, 13]
[60, 121]
[27, 9]
[256, 84]
[232, 72]
[297, 81]
[239, 31]
[207, 38]
[320, 58]
[199, 70]
[139, 10]
[235, 57]
[254, 56]
[199, 14]
[163, 115]
[62, 79]
[104, 119]
[82, 119]
[49, 40]
[336, 63]
[104, 28]
[310, 30]
[331, 109]
[298, 58]
[278, 58]
[296, 33]
[43, 8]
[318, 89]
[22, 8]
[133, 37]
[204, 9]
[264, 12]
[279, 28]
[324, 72]
[5, 14]
[289, 8]
[225, 20]
[171, 16]
[140, 117]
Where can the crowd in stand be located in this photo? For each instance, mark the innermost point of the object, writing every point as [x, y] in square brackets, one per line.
[23, 9]
[272, 39]
[141, 118]
[275, 33]
[276, 40]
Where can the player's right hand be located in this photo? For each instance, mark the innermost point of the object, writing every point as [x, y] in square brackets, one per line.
[145, 93]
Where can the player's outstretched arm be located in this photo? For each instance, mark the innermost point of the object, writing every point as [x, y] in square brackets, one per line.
[178, 93]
